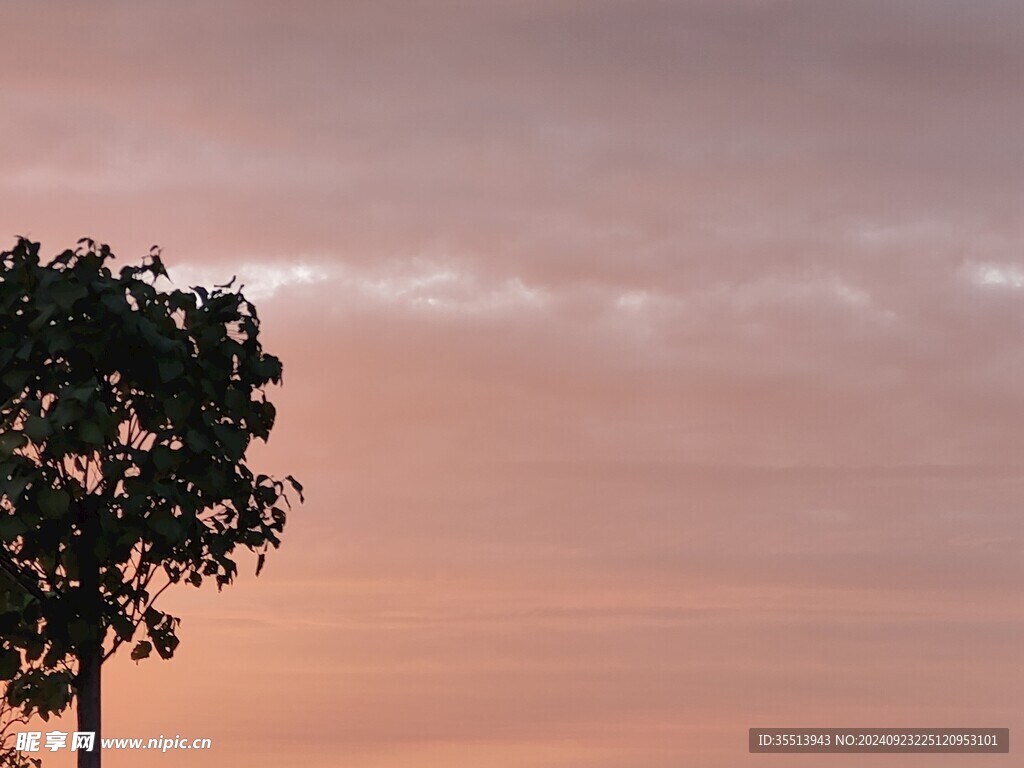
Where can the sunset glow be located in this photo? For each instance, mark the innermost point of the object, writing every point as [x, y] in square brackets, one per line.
[654, 369]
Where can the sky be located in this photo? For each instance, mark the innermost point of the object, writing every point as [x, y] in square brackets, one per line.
[654, 369]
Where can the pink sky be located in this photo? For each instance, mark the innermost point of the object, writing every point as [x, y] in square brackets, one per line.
[654, 369]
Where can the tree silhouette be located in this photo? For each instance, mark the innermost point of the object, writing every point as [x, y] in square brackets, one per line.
[125, 416]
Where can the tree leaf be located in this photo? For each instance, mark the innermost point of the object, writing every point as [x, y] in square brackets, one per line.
[10, 663]
[11, 527]
[170, 370]
[297, 486]
[90, 433]
[163, 458]
[37, 428]
[122, 626]
[53, 502]
[142, 650]
[10, 442]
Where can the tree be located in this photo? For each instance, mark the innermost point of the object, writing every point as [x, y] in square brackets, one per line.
[125, 415]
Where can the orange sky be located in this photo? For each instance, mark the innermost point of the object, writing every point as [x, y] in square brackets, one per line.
[654, 369]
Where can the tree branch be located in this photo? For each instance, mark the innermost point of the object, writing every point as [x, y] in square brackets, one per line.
[20, 578]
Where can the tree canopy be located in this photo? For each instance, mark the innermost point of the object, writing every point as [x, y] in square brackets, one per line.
[125, 415]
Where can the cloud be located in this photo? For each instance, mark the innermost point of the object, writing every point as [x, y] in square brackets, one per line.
[411, 284]
[996, 275]
[259, 281]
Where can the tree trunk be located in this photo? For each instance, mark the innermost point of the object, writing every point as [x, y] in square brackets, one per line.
[90, 653]
[88, 695]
